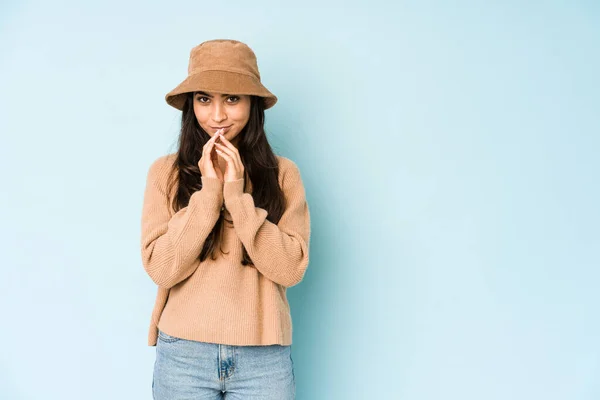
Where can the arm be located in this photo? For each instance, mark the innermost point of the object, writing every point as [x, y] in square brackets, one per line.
[172, 245]
[279, 251]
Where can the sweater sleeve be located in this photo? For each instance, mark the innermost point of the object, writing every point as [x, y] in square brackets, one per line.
[171, 245]
[279, 251]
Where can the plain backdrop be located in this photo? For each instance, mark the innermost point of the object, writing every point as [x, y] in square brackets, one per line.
[450, 153]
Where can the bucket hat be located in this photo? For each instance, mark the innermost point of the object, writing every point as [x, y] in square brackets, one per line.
[222, 66]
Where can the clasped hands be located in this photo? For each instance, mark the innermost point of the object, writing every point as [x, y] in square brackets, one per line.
[209, 162]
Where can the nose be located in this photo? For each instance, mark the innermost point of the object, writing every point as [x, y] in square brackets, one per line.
[218, 113]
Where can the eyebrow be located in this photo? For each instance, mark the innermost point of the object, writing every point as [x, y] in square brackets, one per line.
[208, 95]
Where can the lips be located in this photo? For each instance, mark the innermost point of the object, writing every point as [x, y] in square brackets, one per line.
[226, 128]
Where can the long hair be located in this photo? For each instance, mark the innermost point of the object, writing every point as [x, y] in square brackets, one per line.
[260, 165]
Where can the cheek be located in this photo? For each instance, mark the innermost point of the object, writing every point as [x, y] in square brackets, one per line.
[201, 114]
[242, 113]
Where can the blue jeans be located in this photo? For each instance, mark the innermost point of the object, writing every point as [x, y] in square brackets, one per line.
[188, 369]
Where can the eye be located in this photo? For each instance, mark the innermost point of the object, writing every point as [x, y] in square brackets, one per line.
[199, 98]
[235, 98]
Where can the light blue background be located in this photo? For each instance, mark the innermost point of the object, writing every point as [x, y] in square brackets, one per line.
[450, 153]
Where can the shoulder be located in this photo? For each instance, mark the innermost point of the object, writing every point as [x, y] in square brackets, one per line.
[286, 165]
[163, 161]
[161, 166]
[289, 173]
[283, 161]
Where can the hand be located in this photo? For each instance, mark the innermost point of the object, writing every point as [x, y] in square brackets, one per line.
[210, 158]
[234, 169]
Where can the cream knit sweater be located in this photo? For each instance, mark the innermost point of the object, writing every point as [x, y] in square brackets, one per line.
[222, 301]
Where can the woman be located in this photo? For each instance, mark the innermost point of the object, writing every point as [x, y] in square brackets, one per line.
[225, 231]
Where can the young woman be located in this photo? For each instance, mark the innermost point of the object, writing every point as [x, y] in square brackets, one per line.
[225, 231]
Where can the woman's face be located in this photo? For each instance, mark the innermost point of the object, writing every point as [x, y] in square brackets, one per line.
[216, 110]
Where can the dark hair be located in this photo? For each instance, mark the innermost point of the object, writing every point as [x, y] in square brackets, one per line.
[260, 164]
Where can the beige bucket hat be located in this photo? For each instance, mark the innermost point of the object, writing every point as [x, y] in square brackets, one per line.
[221, 66]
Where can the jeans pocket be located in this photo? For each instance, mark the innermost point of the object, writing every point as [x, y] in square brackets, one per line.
[165, 337]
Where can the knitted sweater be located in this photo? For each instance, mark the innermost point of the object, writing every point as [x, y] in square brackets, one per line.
[223, 301]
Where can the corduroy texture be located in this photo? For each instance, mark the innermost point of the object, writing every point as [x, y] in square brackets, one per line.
[222, 66]
[223, 301]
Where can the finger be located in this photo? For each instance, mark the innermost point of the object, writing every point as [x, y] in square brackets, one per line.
[227, 151]
[210, 142]
[228, 144]
[234, 149]
[208, 147]
[224, 148]
[214, 137]
[235, 155]
[227, 158]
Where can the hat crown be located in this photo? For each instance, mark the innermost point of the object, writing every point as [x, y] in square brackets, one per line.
[223, 55]
[221, 66]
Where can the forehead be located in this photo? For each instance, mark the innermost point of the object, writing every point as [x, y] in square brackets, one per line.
[211, 94]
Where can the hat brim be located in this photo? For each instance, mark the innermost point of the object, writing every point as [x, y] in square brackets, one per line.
[219, 82]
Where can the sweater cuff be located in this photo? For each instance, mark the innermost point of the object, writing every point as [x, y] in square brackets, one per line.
[232, 190]
[213, 185]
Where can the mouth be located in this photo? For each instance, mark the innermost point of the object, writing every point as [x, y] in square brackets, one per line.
[226, 128]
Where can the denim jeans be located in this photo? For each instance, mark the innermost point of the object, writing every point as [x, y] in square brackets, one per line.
[187, 369]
